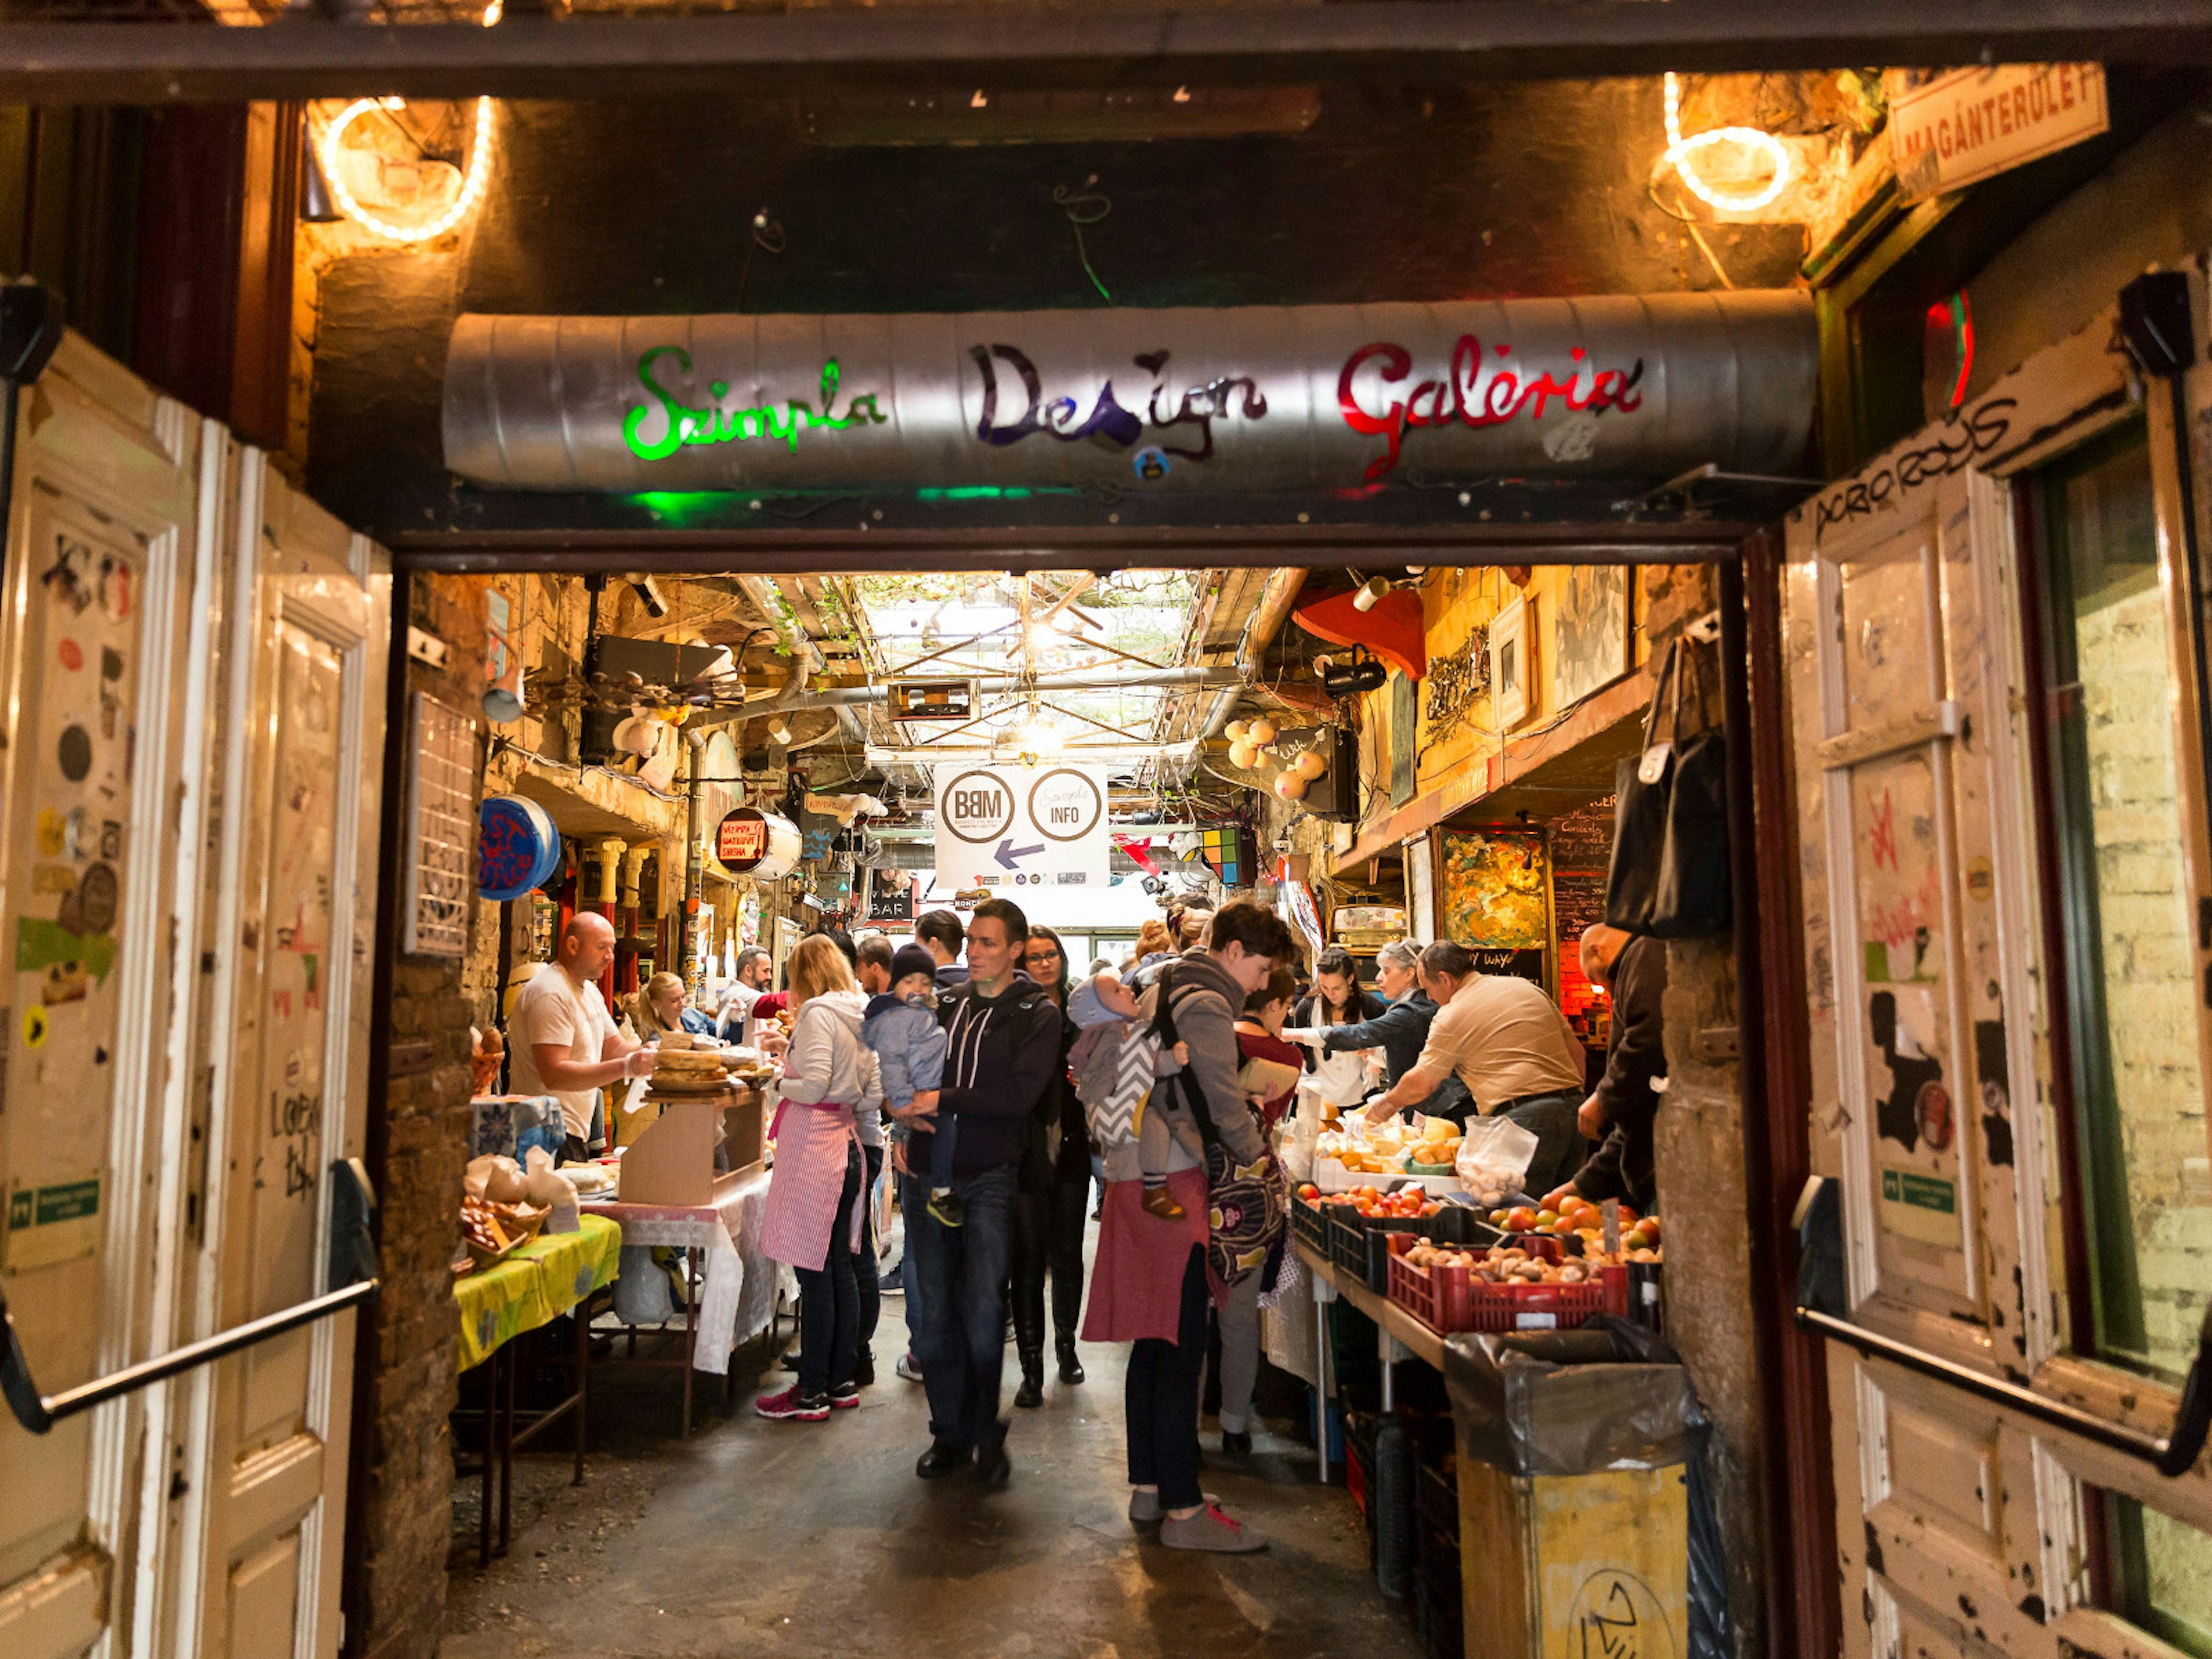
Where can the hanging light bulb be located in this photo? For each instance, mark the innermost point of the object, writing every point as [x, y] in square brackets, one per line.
[1370, 593]
[473, 179]
[1680, 149]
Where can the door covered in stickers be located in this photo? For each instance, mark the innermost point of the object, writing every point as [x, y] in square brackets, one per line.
[106, 558]
[193, 657]
[1931, 746]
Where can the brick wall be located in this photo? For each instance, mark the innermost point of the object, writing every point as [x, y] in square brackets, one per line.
[418, 1144]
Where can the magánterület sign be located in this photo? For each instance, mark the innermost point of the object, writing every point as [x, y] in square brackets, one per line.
[1325, 396]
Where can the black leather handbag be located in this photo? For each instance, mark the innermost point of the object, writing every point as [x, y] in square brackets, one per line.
[1670, 846]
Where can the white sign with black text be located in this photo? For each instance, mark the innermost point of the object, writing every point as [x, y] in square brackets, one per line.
[1019, 827]
[1954, 128]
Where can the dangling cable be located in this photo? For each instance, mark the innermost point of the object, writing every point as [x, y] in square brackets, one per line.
[1084, 206]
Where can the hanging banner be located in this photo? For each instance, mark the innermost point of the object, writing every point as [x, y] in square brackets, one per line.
[1017, 827]
[1243, 397]
[1952, 129]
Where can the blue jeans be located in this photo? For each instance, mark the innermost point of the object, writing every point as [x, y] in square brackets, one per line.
[957, 1303]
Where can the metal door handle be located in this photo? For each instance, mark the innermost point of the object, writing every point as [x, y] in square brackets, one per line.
[2172, 1455]
[352, 1267]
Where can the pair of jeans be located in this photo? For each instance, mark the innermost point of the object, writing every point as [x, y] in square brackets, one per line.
[1239, 1318]
[1160, 1399]
[1048, 1239]
[829, 1298]
[1560, 1148]
[864, 1266]
[956, 1304]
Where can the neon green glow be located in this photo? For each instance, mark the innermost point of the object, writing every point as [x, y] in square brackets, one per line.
[986, 493]
[684, 506]
[719, 424]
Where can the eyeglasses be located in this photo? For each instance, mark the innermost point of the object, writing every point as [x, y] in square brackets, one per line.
[1043, 955]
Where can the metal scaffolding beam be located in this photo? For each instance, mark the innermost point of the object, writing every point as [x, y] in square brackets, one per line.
[756, 54]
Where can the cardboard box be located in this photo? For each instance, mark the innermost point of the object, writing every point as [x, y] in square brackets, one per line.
[672, 1162]
[744, 1132]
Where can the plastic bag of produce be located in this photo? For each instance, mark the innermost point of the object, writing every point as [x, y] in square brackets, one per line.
[1493, 1160]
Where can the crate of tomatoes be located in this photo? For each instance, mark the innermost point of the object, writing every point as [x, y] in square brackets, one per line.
[1355, 1225]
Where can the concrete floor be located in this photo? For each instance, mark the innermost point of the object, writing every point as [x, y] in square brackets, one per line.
[818, 1540]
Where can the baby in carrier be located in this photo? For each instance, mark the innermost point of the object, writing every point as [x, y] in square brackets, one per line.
[1116, 1064]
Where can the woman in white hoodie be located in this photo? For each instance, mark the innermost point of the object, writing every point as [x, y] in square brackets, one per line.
[812, 1218]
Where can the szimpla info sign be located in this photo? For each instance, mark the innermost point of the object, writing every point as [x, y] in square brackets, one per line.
[1018, 827]
[1325, 397]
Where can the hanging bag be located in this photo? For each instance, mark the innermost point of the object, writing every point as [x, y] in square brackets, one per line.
[1248, 1211]
[1670, 848]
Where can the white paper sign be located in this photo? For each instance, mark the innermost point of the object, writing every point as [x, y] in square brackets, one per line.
[1968, 125]
[1014, 827]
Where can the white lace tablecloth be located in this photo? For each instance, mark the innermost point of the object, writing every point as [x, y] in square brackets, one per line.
[739, 1297]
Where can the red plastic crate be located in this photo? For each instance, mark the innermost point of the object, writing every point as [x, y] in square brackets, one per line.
[1448, 1299]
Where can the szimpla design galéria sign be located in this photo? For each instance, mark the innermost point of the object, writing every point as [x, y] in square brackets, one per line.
[1250, 399]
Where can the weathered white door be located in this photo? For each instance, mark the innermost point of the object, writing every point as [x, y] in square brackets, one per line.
[96, 610]
[292, 896]
[1917, 599]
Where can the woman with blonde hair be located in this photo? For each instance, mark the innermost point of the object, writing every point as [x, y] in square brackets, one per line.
[658, 1008]
[812, 1218]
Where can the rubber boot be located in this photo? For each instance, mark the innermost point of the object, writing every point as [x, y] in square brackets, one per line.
[1071, 1368]
[1031, 1395]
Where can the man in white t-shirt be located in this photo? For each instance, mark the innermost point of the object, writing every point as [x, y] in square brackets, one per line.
[563, 1043]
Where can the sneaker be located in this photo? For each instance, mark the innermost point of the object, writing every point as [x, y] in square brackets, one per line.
[791, 1405]
[908, 1367]
[844, 1396]
[946, 1209]
[1210, 1529]
[1161, 1202]
[1144, 1506]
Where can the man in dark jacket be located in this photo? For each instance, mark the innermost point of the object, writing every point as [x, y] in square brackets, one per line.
[1621, 1108]
[1003, 1048]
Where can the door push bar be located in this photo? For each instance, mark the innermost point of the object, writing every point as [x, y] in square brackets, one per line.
[352, 1275]
[1821, 1301]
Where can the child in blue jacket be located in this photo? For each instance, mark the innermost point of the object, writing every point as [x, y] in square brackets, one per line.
[900, 1028]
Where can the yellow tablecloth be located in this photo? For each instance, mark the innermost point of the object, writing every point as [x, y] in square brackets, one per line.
[538, 1283]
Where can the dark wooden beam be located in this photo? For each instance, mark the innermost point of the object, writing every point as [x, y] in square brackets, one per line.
[697, 553]
[750, 55]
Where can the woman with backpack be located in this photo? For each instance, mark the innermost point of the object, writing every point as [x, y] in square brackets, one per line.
[1154, 1277]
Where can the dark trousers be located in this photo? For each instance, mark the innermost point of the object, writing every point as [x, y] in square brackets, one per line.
[864, 1265]
[829, 1298]
[1160, 1400]
[957, 1303]
[1048, 1239]
[1560, 1148]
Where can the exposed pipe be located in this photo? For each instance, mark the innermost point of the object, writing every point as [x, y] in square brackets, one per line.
[694, 867]
[849, 696]
[1275, 609]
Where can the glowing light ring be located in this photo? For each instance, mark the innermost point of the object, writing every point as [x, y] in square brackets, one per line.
[1680, 149]
[473, 182]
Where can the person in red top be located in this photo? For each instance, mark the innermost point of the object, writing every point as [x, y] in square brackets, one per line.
[1259, 1037]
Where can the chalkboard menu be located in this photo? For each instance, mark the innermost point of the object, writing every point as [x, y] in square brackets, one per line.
[1582, 851]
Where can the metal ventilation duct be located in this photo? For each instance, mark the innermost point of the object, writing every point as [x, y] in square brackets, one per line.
[1254, 398]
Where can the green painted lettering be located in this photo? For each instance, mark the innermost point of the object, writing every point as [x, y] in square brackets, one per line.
[636, 420]
[718, 424]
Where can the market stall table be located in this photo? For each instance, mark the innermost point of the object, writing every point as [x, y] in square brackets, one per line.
[739, 1290]
[552, 1274]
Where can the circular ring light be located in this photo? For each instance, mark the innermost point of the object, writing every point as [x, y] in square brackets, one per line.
[473, 182]
[1680, 149]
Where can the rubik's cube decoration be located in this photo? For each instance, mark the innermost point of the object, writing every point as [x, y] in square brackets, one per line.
[1232, 855]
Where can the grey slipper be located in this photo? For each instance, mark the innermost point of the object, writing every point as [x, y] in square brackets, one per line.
[1210, 1529]
[1144, 1506]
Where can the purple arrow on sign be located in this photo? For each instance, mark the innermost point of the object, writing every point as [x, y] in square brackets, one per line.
[1008, 852]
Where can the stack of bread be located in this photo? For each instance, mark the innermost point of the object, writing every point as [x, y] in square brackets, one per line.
[679, 1067]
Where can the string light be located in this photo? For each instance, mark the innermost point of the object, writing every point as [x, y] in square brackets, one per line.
[473, 181]
[1680, 149]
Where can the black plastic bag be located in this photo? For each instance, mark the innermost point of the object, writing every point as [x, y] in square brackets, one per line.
[1669, 877]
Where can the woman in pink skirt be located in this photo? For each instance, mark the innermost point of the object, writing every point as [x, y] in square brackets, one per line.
[812, 1217]
[1148, 1284]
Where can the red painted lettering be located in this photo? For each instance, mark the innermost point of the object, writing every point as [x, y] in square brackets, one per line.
[1465, 398]
[1394, 363]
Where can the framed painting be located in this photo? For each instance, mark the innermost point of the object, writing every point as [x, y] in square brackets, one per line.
[1510, 665]
[1590, 631]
